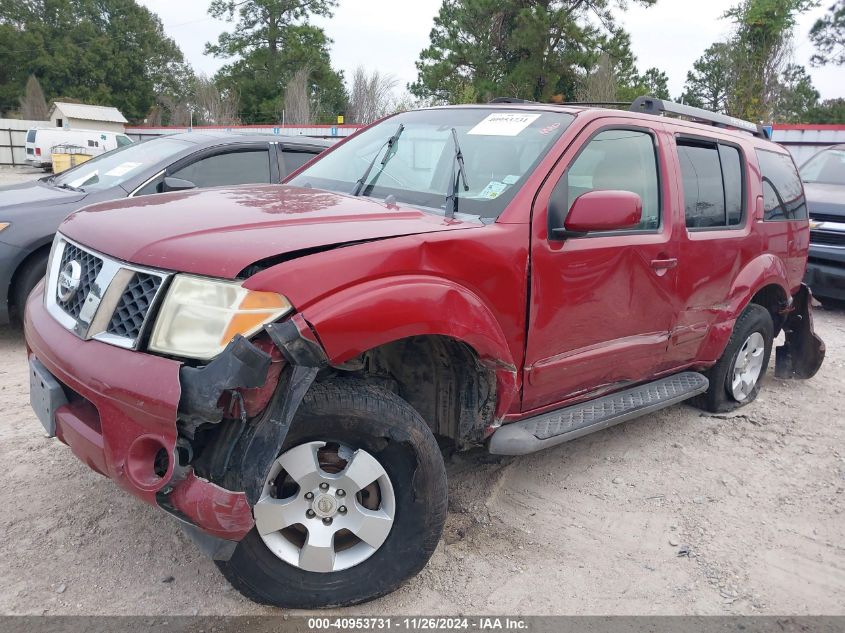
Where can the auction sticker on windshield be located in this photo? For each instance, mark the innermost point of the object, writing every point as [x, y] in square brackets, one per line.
[504, 124]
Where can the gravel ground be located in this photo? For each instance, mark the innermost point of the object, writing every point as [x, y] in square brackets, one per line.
[13, 175]
[677, 513]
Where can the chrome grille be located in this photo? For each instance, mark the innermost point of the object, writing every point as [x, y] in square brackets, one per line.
[131, 312]
[91, 266]
[827, 238]
[99, 297]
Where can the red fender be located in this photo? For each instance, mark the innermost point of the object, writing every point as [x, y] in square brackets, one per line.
[380, 311]
[762, 271]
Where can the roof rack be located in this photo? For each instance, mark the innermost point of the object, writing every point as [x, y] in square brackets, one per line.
[650, 105]
[510, 100]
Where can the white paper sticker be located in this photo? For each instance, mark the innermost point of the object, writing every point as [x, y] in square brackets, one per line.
[122, 169]
[510, 179]
[504, 124]
[493, 190]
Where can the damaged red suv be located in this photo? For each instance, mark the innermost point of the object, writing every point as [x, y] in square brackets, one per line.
[277, 366]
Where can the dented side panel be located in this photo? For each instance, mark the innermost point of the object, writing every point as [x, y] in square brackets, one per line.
[472, 288]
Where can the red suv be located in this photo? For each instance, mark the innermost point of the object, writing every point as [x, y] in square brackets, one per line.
[274, 365]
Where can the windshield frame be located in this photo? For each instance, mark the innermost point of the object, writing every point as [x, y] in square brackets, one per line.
[553, 123]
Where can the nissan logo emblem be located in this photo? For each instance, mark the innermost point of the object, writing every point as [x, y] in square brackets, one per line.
[69, 280]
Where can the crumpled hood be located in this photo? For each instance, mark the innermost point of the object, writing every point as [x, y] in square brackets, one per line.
[219, 232]
[825, 198]
[14, 198]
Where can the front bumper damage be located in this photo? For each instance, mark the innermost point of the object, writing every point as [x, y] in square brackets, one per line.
[802, 353]
[131, 417]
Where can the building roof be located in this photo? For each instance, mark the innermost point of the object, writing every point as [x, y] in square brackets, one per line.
[88, 112]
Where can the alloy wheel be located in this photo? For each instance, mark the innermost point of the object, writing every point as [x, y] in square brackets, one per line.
[325, 507]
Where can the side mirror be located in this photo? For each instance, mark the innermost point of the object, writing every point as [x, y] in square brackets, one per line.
[600, 211]
[176, 184]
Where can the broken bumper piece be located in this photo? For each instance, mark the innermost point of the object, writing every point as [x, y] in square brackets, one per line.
[802, 354]
[120, 419]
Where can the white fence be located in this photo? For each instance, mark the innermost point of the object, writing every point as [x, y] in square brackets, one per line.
[13, 140]
[805, 140]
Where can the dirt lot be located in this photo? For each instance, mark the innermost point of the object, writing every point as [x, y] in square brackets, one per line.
[597, 526]
[13, 175]
[678, 513]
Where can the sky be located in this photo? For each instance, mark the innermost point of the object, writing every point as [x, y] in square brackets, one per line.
[388, 35]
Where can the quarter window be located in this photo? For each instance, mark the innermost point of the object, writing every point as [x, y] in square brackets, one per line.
[783, 194]
[623, 160]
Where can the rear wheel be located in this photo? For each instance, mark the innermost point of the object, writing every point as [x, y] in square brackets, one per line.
[354, 504]
[736, 378]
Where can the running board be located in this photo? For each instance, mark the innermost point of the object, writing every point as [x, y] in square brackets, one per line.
[561, 425]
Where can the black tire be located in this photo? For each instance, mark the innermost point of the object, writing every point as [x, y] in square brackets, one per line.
[26, 279]
[718, 397]
[374, 419]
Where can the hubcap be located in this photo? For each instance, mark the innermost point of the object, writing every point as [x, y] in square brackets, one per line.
[325, 507]
[748, 365]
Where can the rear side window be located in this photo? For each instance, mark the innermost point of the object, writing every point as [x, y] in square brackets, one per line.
[30, 136]
[712, 182]
[234, 168]
[783, 195]
[293, 160]
[623, 160]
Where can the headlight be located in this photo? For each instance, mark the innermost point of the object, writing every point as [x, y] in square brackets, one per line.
[3, 226]
[200, 316]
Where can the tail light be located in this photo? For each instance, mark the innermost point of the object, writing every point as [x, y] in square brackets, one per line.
[38, 151]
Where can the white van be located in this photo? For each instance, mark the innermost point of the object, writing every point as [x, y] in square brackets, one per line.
[40, 141]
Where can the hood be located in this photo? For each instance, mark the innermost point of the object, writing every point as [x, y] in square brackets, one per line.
[220, 232]
[825, 199]
[35, 193]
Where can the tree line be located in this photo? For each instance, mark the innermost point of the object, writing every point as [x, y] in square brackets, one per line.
[277, 67]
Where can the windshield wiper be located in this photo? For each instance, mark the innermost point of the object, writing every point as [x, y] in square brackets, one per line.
[64, 185]
[389, 143]
[454, 182]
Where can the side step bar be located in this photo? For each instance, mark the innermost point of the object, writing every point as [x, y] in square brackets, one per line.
[559, 426]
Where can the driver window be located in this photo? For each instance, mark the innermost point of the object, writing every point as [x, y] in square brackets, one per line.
[623, 160]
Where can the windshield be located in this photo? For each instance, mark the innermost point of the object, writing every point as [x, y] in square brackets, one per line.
[825, 167]
[119, 165]
[416, 164]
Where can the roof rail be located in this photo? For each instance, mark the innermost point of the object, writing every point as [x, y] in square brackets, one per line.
[600, 104]
[650, 105]
[510, 100]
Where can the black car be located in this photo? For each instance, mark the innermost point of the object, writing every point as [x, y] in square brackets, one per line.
[824, 184]
[31, 212]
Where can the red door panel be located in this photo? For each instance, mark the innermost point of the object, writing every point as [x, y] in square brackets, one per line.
[601, 306]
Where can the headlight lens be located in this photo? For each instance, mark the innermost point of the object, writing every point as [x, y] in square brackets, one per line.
[200, 316]
[3, 226]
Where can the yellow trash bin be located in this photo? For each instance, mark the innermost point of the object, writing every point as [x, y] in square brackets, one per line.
[66, 156]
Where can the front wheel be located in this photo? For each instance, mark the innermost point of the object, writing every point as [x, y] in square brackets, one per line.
[353, 506]
[737, 376]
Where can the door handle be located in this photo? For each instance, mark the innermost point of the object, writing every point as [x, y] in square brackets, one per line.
[662, 265]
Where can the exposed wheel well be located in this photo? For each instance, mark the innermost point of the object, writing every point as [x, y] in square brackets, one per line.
[38, 253]
[774, 299]
[441, 377]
